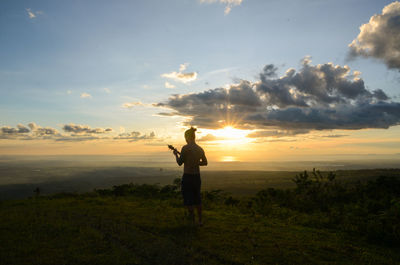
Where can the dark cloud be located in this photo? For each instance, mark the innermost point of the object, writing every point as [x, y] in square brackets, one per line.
[343, 116]
[73, 133]
[132, 137]
[168, 114]
[84, 129]
[276, 133]
[216, 104]
[23, 133]
[380, 37]
[269, 71]
[335, 135]
[7, 130]
[42, 131]
[317, 97]
[313, 86]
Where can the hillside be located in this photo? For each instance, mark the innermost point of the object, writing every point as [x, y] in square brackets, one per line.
[145, 224]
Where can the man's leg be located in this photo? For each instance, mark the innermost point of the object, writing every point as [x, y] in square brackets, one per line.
[191, 212]
[198, 208]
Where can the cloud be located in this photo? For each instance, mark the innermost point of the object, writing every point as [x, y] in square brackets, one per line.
[84, 129]
[135, 136]
[107, 90]
[317, 97]
[208, 138]
[167, 114]
[73, 133]
[380, 37]
[86, 95]
[168, 85]
[33, 14]
[277, 140]
[90, 136]
[30, 13]
[276, 133]
[9, 132]
[79, 138]
[42, 131]
[335, 135]
[129, 105]
[180, 76]
[207, 109]
[183, 67]
[22, 132]
[229, 4]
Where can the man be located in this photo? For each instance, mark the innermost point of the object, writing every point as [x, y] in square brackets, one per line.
[192, 156]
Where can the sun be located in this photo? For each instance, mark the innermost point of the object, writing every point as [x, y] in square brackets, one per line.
[230, 133]
[228, 142]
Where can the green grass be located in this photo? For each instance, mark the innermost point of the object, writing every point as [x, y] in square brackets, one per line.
[94, 229]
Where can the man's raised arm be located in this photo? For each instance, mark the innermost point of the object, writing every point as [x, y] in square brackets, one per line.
[179, 159]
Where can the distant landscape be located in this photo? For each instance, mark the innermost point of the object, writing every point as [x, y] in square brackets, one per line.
[19, 176]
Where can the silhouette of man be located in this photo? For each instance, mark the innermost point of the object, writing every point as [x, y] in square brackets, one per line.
[192, 156]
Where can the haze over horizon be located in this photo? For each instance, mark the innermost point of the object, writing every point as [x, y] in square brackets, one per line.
[261, 80]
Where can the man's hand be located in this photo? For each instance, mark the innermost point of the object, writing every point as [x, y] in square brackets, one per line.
[178, 158]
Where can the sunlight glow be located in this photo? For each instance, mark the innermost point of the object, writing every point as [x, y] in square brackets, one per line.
[230, 133]
[229, 136]
[228, 159]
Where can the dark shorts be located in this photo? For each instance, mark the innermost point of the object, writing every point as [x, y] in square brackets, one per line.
[191, 184]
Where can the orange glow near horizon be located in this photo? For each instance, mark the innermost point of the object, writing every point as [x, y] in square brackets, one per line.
[229, 143]
[228, 159]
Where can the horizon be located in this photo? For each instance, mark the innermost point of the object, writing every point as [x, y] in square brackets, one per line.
[168, 163]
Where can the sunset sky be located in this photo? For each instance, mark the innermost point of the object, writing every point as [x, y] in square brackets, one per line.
[261, 80]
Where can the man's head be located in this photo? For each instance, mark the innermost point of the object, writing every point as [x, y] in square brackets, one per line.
[190, 135]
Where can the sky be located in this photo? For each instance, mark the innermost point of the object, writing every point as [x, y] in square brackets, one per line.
[260, 80]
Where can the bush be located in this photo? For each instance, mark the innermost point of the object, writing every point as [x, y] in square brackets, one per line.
[371, 209]
[141, 190]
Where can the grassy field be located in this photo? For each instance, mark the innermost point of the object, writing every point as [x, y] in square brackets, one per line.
[146, 224]
[91, 229]
[244, 183]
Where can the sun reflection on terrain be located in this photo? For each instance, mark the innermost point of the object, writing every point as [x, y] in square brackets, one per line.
[228, 159]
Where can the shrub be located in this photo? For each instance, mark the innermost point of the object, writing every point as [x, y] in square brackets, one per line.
[371, 209]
